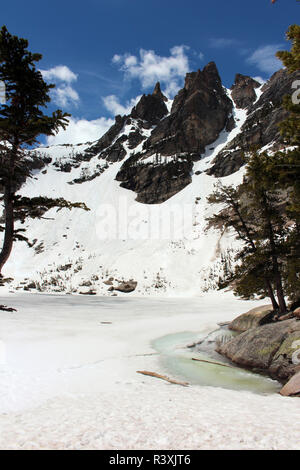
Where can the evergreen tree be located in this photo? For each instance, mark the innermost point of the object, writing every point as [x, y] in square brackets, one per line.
[250, 212]
[291, 59]
[286, 166]
[22, 121]
[264, 211]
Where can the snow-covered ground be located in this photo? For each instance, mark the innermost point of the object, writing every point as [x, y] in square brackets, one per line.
[68, 379]
[164, 247]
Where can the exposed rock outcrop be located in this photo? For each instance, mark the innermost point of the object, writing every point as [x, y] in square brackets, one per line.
[199, 113]
[157, 92]
[292, 387]
[267, 348]
[151, 108]
[128, 286]
[256, 317]
[108, 138]
[135, 138]
[243, 90]
[226, 163]
[296, 312]
[261, 126]
[155, 184]
[116, 151]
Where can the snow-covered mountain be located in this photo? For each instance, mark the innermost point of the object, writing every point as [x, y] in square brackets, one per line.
[146, 182]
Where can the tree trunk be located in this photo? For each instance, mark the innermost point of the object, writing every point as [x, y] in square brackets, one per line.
[272, 296]
[269, 287]
[280, 295]
[277, 274]
[275, 262]
[9, 226]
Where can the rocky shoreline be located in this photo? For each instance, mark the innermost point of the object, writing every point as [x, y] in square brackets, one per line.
[266, 345]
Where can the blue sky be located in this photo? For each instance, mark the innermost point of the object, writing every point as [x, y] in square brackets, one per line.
[102, 54]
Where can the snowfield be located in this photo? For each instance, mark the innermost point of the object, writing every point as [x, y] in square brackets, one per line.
[164, 247]
[68, 379]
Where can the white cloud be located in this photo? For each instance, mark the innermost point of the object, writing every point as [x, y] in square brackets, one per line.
[113, 105]
[80, 131]
[172, 88]
[221, 43]
[60, 72]
[264, 58]
[150, 68]
[65, 95]
[116, 58]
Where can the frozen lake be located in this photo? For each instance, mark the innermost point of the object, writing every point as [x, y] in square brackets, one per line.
[68, 378]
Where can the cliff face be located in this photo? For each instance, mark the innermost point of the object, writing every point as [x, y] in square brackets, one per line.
[243, 91]
[261, 126]
[200, 111]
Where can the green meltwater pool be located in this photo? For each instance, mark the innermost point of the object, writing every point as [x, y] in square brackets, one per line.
[176, 358]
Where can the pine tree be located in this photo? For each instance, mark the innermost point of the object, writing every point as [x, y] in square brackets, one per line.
[22, 120]
[291, 59]
[249, 212]
[286, 166]
[264, 211]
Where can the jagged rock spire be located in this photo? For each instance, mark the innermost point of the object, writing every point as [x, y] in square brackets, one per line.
[151, 108]
[157, 92]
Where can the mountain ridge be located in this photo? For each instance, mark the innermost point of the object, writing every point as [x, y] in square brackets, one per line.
[142, 176]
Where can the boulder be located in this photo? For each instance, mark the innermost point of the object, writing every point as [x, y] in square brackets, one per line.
[287, 316]
[255, 317]
[88, 292]
[296, 312]
[31, 285]
[269, 348]
[126, 287]
[292, 387]
[284, 363]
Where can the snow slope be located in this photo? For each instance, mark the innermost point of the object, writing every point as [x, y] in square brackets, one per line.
[163, 247]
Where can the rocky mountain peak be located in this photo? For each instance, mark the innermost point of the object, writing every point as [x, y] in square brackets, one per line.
[211, 75]
[200, 111]
[243, 90]
[164, 146]
[208, 77]
[151, 108]
[157, 92]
